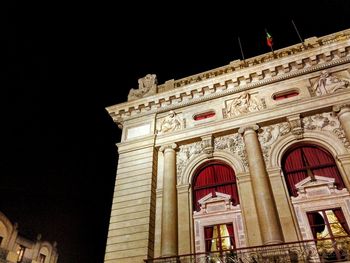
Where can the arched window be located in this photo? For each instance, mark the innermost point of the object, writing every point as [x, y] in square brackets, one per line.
[214, 177]
[309, 160]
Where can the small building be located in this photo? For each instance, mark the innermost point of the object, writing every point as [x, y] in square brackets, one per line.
[15, 248]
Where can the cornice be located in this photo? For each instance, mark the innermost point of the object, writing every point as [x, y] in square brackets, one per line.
[321, 53]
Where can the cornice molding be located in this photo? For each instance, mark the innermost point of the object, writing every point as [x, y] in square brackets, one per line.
[323, 53]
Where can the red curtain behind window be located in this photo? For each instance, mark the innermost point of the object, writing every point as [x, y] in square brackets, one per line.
[312, 221]
[319, 161]
[216, 177]
[341, 218]
[208, 234]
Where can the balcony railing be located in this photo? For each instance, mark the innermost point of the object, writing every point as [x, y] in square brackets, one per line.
[3, 254]
[326, 250]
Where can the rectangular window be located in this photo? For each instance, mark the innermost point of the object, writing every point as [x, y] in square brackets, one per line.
[331, 232]
[219, 238]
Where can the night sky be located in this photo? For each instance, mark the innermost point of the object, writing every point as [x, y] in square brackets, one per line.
[62, 63]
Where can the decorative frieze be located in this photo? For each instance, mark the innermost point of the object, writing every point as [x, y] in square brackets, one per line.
[326, 122]
[208, 144]
[243, 104]
[170, 123]
[328, 83]
[269, 135]
[233, 144]
[185, 154]
[295, 126]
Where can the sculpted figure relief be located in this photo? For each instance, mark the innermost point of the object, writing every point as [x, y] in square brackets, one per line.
[327, 83]
[243, 104]
[147, 85]
[172, 122]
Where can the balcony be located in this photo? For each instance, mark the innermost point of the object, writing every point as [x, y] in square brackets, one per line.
[325, 250]
[3, 255]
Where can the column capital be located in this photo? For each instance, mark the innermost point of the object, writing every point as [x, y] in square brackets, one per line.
[172, 146]
[341, 108]
[253, 127]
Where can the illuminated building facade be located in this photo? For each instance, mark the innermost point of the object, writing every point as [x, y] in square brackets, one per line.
[15, 248]
[249, 162]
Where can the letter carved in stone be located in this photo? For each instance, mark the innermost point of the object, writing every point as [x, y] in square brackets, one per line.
[326, 122]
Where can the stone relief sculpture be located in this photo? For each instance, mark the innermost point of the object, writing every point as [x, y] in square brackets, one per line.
[327, 83]
[170, 123]
[269, 135]
[243, 104]
[230, 143]
[185, 154]
[147, 86]
[233, 144]
[326, 122]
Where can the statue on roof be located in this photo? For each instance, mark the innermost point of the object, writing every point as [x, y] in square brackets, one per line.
[147, 86]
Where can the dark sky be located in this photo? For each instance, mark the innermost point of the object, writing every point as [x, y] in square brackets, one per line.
[62, 63]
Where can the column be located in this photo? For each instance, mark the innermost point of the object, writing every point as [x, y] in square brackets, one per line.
[344, 118]
[271, 232]
[169, 204]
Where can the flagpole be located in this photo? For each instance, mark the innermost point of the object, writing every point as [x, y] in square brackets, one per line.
[297, 31]
[240, 46]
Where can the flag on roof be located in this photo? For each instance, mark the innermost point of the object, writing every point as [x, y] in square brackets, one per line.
[269, 39]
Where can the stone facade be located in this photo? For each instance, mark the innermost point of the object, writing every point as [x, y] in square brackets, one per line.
[14, 248]
[250, 114]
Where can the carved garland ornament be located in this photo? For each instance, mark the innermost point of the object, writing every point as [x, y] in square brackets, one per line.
[326, 122]
[269, 136]
[185, 154]
[233, 144]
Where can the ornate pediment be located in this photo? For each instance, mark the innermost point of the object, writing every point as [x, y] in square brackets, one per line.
[317, 187]
[212, 204]
[319, 181]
